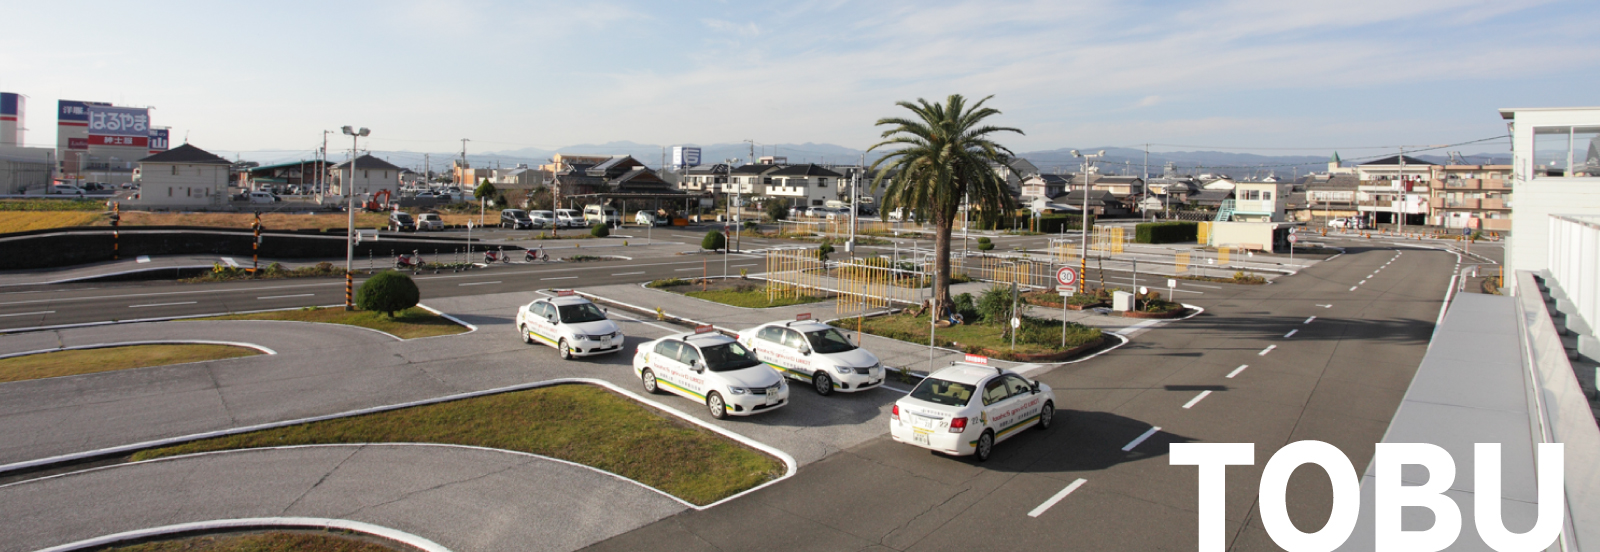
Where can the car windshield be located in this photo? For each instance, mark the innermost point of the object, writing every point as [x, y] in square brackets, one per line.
[943, 392]
[402, 217]
[517, 214]
[728, 357]
[542, 214]
[829, 341]
[580, 313]
[429, 217]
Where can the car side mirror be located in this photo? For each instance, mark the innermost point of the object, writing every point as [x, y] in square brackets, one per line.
[1035, 386]
[805, 351]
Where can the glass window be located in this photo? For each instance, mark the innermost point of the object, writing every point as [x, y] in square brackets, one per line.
[729, 356]
[1566, 151]
[938, 391]
[1266, 196]
[1586, 151]
[995, 391]
[687, 353]
[1018, 385]
[829, 341]
[793, 340]
[667, 349]
[770, 333]
[580, 313]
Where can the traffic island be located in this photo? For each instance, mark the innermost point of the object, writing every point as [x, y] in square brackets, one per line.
[1037, 339]
[75, 362]
[736, 292]
[411, 323]
[584, 424]
[266, 541]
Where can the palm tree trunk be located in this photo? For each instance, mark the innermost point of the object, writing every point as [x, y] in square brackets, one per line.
[942, 303]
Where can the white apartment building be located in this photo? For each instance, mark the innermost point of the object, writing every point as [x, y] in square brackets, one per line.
[183, 177]
[806, 185]
[1555, 171]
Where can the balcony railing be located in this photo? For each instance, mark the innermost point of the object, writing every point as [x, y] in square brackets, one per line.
[1495, 203]
[1461, 203]
[1496, 184]
[1463, 184]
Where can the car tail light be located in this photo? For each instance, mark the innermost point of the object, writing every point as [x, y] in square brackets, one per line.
[958, 425]
[895, 412]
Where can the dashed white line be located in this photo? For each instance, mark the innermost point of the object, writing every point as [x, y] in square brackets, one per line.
[628, 273]
[481, 283]
[162, 304]
[1196, 399]
[1362, 282]
[683, 269]
[26, 313]
[286, 296]
[1236, 371]
[1324, 306]
[1308, 320]
[1291, 333]
[1266, 350]
[1140, 439]
[560, 278]
[751, 264]
[1352, 288]
[1057, 498]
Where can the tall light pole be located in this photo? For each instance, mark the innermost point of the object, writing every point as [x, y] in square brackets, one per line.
[737, 200]
[350, 229]
[1083, 220]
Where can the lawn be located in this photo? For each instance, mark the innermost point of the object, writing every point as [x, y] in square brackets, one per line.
[22, 221]
[89, 361]
[407, 324]
[733, 292]
[579, 423]
[1037, 336]
[270, 541]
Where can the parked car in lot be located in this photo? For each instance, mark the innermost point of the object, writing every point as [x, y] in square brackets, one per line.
[515, 219]
[814, 353]
[401, 221]
[544, 219]
[712, 369]
[647, 218]
[569, 218]
[965, 409]
[263, 197]
[902, 215]
[571, 324]
[430, 221]
[66, 189]
[600, 214]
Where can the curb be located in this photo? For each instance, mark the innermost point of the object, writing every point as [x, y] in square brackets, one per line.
[148, 342]
[256, 523]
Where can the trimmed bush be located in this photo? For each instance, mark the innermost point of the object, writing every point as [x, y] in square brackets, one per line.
[995, 304]
[599, 230]
[387, 292]
[1167, 232]
[713, 241]
[984, 244]
[1052, 224]
[825, 249]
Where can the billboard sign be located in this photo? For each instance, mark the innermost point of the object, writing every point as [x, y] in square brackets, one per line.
[119, 121]
[73, 111]
[11, 105]
[119, 141]
[158, 139]
[685, 157]
[78, 143]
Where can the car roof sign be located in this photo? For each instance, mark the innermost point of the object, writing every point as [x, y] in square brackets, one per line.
[803, 316]
[703, 328]
[565, 293]
[977, 359]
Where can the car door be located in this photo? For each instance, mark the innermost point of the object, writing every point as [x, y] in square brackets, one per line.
[664, 362]
[543, 326]
[792, 356]
[767, 345]
[996, 397]
[1026, 403]
[691, 378]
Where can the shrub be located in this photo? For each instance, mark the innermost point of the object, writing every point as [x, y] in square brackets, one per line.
[825, 249]
[669, 282]
[275, 268]
[485, 190]
[777, 209]
[984, 244]
[1166, 232]
[966, 308]
[994, 306]
[599, 230]
[387, 292]
[713, 241]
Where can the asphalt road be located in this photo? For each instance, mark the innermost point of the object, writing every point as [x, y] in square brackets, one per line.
[1360, 325]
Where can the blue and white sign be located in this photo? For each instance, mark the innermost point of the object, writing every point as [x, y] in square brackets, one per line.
[119, 121]
[158, 139]
[685, 156]
[73, 110]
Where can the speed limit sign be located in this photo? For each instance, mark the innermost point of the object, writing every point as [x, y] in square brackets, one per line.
[1067, 276]
[1293, 238]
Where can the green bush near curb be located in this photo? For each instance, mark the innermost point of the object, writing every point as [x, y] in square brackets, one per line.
[1166, 232]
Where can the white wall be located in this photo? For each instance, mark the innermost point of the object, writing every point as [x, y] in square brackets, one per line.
[192, 186]
[1536, 198]
[369, 181]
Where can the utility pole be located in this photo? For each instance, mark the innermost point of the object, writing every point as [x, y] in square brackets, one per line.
[752, 157]
[1083, 221]
[1402, 176]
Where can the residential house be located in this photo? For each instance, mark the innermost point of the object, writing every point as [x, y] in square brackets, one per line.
[1255, 202]
[1102, 203]
[1471, 196]
[183, 177]
[1015, 171]
[807, 184]
[370, 176]
[751, 179]
[1044, 186]
[704, 178]
[1393, 186]
[1328, 196]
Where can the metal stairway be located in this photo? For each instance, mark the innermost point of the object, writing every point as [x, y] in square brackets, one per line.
[1225, 211]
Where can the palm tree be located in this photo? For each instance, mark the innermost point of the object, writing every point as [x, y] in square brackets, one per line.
[945, 154]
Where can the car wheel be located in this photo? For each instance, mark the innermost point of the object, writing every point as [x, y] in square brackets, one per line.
[822, 383]
[985, 446]
[526, 337]
[1047, 415]
[649, 379]
[566, 352]
[719, 409]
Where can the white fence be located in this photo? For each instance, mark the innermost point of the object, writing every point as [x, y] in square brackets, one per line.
[1575, 266]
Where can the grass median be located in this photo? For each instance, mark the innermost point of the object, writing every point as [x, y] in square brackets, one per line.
[579, 423]
[268, 541]
[735, 292]
[407, 324]
[1037, 336]
[89, 361]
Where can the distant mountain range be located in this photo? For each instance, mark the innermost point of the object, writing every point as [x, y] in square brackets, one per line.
[1116, 161]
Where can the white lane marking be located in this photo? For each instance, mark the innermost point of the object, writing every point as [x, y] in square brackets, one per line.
[560, 278]
[628, 273]
[1057, 498]
[482, 283]
[1291, 333]
[1324, 306]
[231, 262]
[26, 314]
[162, 304]
[1140, 439]
[1362, 282]
[1266, 350]
[287, 296]
[751, 264]
[1236, 371]
[683, 269]
[1352, 288]
[1308, 320]
[143, 259]
[1196, 399]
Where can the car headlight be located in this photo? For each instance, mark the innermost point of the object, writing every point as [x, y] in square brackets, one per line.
[736, 390]
[842, 369]
[580, 337]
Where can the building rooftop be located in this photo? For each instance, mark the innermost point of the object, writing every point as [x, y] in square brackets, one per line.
[186, 154]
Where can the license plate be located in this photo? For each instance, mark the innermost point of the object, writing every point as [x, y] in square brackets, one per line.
[772, 398]
[919, 438]
[920, 421]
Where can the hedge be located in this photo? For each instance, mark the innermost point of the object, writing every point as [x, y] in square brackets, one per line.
[1167, 232]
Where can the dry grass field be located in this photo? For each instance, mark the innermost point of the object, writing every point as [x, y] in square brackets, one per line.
[22, 221]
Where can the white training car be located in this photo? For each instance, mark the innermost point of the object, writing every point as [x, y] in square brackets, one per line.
[966, 408]
[571, 324]
[710, 368]
[815, 353]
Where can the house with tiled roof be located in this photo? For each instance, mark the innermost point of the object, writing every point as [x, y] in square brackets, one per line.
[185, 177]
[807, 184]
[370, 175]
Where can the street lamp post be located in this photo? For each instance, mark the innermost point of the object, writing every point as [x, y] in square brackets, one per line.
[1083, 219]
[350, 228]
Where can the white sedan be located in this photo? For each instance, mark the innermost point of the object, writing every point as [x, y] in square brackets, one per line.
[815, 353]
[571, 324]
[966, 408]
[712, 369]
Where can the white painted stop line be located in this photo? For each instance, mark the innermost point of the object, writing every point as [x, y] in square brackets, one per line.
[1057, 498]
[1308, 320]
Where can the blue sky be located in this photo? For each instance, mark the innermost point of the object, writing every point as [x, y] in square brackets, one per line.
[1234, 75]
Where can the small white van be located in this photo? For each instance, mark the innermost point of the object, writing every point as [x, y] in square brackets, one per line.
[600, 213]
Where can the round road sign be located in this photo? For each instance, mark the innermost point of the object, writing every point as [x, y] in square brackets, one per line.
[1016, 322]
[1293, 238]
[1067, 276]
